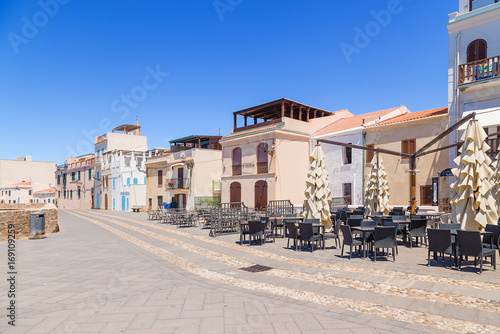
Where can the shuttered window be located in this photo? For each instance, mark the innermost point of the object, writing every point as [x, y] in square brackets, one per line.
[477, 50]
[408, 146]
[160, 177]
[237, 161]
[370, 154]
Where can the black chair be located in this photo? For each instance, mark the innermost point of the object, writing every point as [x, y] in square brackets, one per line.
[255, 231]
[398, 218]
[244, 231]
[355, 221]
[384, 237]
[417, 229]
[449, 226]
[487, 239]
[469, 244]
[396, 231]
[349, 240]
[398, 211]
[439, 242]
[312, 221]
[307, 234]
[291, 232]
[277, 224]
[358, 212]
[268, 230]
[334, 235]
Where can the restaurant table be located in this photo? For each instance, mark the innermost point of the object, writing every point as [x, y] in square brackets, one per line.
[454, 233]
[364, 230]
[296, 219]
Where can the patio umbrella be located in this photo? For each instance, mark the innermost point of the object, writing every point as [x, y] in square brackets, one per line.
[377, 190]
[317, 202]
[496, 180]
[473, 203]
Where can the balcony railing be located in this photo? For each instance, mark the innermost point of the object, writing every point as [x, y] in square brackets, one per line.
[478, 70]
[177, 183]
[236, 169]
[493, 143]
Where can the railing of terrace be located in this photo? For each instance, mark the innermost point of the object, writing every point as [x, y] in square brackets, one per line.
[478, 70]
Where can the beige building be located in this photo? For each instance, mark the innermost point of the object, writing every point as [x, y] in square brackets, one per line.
[269, 160]
[20, 178]
[408, 133]
[189, 173]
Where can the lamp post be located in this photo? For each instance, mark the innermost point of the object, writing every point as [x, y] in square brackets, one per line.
[413, 184]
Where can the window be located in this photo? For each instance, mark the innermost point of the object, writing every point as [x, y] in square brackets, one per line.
[73, 176]
[128, 181]
[369, 154]
[65, 194]
[29, 192]
[58, 179]
[425, 195]
[347, 155]
[476, 4]
[97, 175]
[150, 203]
[262, 166]
[477, 50]
[58, 194]
[78, 193]
[160, 177]
[136, 181]
[71, 194]
[79, 176]
[114, 184]
[237, 161]
[347, 188]
[90, 174]
[160, 201]
[408, 146]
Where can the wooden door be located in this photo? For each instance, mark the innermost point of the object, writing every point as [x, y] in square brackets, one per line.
[260, 195]
[425, 195]
[180, 178]
[105, 201]
[235, 192]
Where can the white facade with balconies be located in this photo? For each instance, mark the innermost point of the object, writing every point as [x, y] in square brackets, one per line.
[473, 70]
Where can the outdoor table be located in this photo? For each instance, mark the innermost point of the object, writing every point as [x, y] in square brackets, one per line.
[364, 230]
[454, 233]
[296, 219]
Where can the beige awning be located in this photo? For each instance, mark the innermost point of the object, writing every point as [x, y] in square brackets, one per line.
[377, 190]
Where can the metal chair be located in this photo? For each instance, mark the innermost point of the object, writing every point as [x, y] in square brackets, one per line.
[439, 242]
[349, 240]
[396, 231]
[334, 235]
[384, 237]
[487, 239]
[469, 244]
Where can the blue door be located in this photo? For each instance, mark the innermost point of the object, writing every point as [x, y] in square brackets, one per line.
[97, 206]
[127, 204]
[123, 203]
[136, 181]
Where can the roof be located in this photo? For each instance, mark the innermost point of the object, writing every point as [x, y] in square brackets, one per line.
[49, 190]
[24, 183]
[256, 130]
[126, 128]
[193, 139]
[414, 116]
[272, 110]
[353, 122]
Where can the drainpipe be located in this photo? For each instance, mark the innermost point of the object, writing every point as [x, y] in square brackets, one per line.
[457, 90]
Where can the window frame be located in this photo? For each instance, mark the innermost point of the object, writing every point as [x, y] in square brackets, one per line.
[160, 177]
[236, 168]
[408, 150]
[348, 157]
[262, 166]
[369, 155]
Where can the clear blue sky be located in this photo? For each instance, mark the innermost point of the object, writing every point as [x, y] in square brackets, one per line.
[65, 74]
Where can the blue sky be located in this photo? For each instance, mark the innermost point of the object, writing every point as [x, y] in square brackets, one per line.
[77, 67]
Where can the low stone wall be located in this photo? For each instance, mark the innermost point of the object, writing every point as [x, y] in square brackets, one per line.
[20, 214]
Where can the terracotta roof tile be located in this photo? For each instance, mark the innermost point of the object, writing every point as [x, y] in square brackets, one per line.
[413, 116]
[50, 190]
[24, 183]
[352, 122]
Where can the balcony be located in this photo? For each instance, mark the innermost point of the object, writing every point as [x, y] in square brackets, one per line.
[478, 70]
[216, 186]
[177, 184]
[476, 4]
[262, 167]
[236, 169]
[494, 144]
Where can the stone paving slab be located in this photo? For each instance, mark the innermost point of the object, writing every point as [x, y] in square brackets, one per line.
[121, 287]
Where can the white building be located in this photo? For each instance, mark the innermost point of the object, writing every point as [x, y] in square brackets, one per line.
[474, 53]
[120, 181]
[20, 178]
[346, 165]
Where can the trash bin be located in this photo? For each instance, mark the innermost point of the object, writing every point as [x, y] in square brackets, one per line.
[37, 225]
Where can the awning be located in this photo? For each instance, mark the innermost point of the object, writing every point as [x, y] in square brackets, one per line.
[487, 117]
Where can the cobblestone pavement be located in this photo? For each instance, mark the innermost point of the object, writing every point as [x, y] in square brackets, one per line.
[115, 272]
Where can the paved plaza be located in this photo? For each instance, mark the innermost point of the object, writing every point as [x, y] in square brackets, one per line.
[116, 272]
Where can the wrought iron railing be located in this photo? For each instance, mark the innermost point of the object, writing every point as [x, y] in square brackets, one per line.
[177, 183]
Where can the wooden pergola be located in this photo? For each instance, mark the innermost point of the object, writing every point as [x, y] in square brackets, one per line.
[412, 157]
[276, 110]
[196, 141]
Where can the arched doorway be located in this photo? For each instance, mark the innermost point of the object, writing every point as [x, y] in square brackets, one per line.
[97, 206]
[260, 195]
[235, 192]
[105, 201]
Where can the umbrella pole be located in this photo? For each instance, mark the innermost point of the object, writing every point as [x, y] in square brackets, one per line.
[377, 204]
[413, 182]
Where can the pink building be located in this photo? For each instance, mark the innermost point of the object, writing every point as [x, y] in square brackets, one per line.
[74, 183]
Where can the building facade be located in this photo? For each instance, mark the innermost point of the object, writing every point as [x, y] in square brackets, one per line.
[120, 182]
[346, 166]
[75, 183]
[269, 160]
[188, 174]
[408, 133]
[474, 81]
